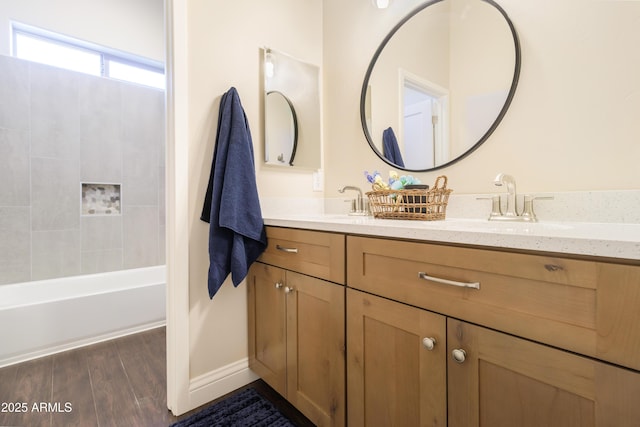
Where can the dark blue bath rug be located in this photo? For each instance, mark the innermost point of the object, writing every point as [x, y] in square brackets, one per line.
[243, 409]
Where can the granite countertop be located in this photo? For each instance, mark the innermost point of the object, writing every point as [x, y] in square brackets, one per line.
[611, 240]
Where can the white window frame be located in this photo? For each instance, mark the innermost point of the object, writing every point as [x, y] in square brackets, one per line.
[106, 54]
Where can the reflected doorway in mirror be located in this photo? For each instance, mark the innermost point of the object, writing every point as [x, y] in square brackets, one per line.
[424, 122]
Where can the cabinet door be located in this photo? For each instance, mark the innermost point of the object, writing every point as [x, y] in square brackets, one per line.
[508, 381]
[394, 376]
[267, 325]
[316, 348]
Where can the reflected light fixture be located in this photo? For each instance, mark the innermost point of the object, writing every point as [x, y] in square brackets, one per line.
[269, 66]
[381, 4]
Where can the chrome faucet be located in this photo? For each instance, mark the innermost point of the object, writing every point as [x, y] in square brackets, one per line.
[511, 214]
[358, 204]
[510, 182]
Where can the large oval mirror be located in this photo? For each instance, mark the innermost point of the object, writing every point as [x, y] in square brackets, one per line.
[440, 83]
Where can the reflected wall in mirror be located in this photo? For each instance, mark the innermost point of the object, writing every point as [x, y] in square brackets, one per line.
[440, 83]
[291, 111]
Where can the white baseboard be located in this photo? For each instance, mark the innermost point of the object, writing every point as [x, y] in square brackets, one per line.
[213, 384]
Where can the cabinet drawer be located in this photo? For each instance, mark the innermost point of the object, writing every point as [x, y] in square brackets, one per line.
[569, 303]
[314, 253]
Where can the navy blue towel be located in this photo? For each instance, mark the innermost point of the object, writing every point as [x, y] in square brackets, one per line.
[231, 207]
[390, 147]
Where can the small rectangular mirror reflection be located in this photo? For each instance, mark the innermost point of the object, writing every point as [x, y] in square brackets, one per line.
[291, 111]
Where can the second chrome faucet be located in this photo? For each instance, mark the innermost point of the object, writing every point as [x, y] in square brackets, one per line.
[511, 213]
[358, 205]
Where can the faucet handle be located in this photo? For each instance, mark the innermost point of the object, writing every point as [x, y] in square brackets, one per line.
[527, 213]
[353, 205]
[496, 209]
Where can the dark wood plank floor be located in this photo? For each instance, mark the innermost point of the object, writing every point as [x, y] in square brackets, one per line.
[115, 383]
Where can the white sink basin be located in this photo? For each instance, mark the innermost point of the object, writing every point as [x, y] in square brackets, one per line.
[503, 226]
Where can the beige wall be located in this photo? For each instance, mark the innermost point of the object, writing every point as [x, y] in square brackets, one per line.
[225, 39]
[573, 124]
[132, 26]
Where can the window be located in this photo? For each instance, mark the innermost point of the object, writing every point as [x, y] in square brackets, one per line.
[45, 47]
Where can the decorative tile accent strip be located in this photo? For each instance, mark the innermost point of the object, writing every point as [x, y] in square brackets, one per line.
[100, 199]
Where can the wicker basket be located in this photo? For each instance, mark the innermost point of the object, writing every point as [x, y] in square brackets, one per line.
[425, 205]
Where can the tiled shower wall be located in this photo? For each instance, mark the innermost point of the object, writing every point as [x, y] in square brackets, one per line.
[59, 129]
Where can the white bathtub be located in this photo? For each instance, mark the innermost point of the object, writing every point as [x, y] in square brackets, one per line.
[45, 317]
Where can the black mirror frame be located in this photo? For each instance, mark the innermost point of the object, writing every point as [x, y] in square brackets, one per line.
[492, 128]
[295, 123]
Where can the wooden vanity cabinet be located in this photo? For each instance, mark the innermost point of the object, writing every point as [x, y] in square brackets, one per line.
[296, 322]
[466, 375]
[528, 337]
[586, 306]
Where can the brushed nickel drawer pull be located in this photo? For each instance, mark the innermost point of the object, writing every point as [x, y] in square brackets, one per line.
[425, 276]
[553, 267]
[287, 250]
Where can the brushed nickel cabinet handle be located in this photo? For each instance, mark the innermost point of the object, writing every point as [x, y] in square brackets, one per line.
[288, 290]
[287, 250]
[279, 285]
[473, 285]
